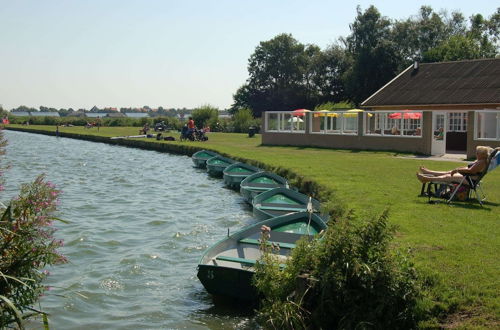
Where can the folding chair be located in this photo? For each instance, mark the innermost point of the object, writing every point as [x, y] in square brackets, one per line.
[449, 190]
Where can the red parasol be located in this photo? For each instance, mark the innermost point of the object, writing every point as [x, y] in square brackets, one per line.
[300, 112]
[408, 114]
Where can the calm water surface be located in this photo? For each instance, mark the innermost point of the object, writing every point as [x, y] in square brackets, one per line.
[139, 222]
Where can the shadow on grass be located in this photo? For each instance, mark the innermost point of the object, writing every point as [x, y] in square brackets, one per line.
[469, 205]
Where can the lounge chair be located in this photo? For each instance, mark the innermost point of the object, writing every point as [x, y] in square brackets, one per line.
[463, 187]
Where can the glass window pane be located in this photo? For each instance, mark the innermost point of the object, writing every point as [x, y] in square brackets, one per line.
[486, 125]
[272, 121]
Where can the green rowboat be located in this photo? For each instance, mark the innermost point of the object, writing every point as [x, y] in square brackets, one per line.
[227, 268]
[217, 164]
[260, 182]
[280, 201]
[235, 173]
[200, 158]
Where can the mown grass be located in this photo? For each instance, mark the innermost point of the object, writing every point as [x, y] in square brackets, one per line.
[456, 245]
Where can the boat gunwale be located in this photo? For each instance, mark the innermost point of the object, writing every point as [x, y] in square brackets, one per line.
[271, 222]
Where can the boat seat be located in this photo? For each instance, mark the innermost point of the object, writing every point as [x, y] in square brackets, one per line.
[236, 259]
[300, 208]
[248, 262]
[257, 242]
[280, 205]
[262, 185]
[280, 236]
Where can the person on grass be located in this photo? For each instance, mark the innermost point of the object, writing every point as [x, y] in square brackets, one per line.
[456, 175]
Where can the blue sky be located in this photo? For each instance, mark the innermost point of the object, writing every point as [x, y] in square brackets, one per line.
[118, 53]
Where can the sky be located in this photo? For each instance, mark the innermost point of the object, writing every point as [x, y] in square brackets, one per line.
[174, 54]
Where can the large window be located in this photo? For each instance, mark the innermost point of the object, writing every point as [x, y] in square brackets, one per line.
[457, 122]
[334, 122]
[393, 123]
[487, 125]
[285, 122]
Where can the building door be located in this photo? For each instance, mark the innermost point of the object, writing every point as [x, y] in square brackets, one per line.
[456, 132]
[439, 121]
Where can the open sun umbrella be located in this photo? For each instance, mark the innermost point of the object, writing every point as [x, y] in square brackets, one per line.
[324, 113]
[354, 113]
[300, 112]
[407, 114]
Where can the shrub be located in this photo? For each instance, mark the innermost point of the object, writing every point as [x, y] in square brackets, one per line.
[204, 115]
[242, 120]
[334, 106]
[350, 278]
[26, 237]
[26, 246]
[171, 122]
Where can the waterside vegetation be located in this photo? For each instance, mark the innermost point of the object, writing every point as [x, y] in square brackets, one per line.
[454, 247]
[27, 245]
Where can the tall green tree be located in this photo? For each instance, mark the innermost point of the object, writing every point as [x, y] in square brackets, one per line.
[418, 34]
[278, 76]
[478, 41]
[373, 54]
[326, 74]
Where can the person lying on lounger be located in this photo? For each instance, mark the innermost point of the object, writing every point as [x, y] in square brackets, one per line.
[456, 175]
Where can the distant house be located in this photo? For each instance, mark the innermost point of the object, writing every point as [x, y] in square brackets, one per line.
[115, 115]
[79, 113]
[44, 114]
[136, 114]
[429, 108]
[224, 114]
[34, 114]
[19, 113]
[95, 114]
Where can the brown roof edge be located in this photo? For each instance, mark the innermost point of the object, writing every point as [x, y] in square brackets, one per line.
[381, 88]
[434, 105]
[461, 61]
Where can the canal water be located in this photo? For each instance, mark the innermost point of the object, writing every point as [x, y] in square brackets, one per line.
[138, 223]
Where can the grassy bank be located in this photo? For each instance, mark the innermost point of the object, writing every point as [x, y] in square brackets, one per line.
[459, 244]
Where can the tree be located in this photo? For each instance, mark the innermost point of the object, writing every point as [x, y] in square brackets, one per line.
[23, 108]
[373, 54]
[479, 41]
[454, 49]
[278, 77]
[63, 112]
[326, 71]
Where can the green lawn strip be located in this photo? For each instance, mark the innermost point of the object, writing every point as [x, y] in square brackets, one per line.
[459, 243]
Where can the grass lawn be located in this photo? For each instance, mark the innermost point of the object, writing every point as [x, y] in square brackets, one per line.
[457, 243]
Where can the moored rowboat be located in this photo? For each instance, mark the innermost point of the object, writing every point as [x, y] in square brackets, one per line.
[227, 268]
[260, 182]
[280, 201]
[235, 173]
[200, 158]
[217, 164]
